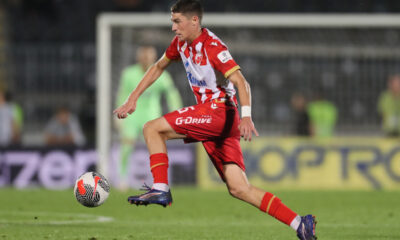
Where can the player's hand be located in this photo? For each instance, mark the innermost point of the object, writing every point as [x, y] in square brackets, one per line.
[127, 108]
[246, 128]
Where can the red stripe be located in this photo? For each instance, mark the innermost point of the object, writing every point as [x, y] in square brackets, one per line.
[186, 52]
[265, 201]
[159, 167]
[196, 93]
[277, 209]
[222, 93]
[209, 93]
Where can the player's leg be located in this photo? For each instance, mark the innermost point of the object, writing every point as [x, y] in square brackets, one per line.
[239, 187]
[156, 132]
[227, 157]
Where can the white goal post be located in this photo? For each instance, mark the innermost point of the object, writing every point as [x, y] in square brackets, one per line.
[108, 20]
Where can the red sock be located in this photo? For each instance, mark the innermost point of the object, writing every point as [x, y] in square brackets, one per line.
[159, 167]
[274, 207]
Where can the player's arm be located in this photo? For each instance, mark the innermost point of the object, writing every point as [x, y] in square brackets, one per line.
[246, 125]
[152, 74]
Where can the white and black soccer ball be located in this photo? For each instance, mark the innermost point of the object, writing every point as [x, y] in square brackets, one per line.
[91, 189]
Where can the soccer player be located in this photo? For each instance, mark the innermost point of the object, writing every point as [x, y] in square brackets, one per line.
[214, 120]
[149, 105]
[10, 131]
[389, 107]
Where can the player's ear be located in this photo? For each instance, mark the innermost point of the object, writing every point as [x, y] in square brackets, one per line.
[195, 19]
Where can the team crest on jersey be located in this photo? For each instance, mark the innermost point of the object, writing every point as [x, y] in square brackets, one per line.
[198, 57]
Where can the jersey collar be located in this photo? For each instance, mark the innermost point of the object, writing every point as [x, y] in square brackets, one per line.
[200, 38]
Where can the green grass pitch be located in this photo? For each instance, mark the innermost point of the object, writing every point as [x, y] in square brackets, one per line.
[195, 214]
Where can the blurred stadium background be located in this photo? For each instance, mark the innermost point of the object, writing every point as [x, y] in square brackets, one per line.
[48, 57]
[49, 54]
[48, 49]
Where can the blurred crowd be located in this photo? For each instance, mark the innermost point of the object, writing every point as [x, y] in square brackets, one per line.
[62, 129]
[317, 116]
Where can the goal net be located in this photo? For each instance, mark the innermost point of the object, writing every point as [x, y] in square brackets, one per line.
[345, 58]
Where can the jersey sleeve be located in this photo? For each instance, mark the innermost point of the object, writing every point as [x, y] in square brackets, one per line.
[221, 59]
[172, 52]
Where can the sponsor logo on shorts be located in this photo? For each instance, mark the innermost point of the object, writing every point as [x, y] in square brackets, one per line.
[192, 120]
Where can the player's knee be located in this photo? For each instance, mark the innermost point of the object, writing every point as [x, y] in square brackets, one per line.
[148, 128]
[152, 128]
[239, 191]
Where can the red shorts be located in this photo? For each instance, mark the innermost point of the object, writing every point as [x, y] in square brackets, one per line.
[215, 124]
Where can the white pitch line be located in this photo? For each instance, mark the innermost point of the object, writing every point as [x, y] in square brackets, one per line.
[97, 219]
[82, 218]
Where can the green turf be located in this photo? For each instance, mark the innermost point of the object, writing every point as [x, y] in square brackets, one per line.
[195, 214]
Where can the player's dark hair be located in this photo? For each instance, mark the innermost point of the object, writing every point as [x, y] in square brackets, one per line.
[188, 7]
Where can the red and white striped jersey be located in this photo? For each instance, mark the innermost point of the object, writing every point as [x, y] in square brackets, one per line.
[208, 64]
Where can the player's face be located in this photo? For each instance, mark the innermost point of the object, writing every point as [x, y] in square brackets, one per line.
[185, 27]
[394, 85]
[63, 116]
[146, 56]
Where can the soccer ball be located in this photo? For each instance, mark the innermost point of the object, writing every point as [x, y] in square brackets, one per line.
[91, 189]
